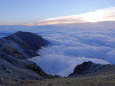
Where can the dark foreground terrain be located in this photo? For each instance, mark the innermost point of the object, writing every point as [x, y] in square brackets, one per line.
[85, 74]
[87, 80]
[15, 50]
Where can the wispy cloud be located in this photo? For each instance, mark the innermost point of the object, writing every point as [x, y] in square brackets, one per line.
[107, 14]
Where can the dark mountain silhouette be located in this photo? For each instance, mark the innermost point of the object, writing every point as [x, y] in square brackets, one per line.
[90, 68]
[28, 40]
[15, 49]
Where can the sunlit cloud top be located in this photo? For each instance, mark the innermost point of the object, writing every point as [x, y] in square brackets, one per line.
[107, 14]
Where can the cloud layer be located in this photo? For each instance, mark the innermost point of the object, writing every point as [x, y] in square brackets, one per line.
[72, 46]
[107, 14]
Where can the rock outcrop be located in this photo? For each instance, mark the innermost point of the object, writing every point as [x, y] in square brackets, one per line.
[91, 69]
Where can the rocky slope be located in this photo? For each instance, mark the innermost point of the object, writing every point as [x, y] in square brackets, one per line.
[90, 68]
[85, 74]
[14, 52]
[27, 43]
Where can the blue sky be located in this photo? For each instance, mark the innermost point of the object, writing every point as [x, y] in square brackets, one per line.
[16, 12]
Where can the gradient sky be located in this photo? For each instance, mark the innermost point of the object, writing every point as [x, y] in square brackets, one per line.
[17, 12]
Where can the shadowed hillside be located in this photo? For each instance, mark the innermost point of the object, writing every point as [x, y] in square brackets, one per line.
[14, 52]
[85, 74]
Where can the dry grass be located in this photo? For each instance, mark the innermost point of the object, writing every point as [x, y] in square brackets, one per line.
[97, 80]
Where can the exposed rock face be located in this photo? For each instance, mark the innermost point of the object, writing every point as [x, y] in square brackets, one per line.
[14, 52]
[91, 68]
[85, 66]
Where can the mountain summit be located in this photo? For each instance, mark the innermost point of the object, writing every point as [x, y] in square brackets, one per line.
[26, 43]
[28, 40]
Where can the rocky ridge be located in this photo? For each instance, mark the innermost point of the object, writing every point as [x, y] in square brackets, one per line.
[15, 49]
[90, 68]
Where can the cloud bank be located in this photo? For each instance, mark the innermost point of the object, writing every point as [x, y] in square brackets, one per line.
[72, 46]
[107, 14]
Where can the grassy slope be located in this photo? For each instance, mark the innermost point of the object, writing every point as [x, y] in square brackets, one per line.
[86, 80]
[104, 77]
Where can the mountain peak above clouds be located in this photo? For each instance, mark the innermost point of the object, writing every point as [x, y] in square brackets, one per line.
[15, 50]
[28, 39]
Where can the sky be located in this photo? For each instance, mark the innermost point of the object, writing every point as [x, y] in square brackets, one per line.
[102, 15]
[19, 12]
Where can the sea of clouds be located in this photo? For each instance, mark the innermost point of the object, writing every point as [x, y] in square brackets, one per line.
[72, 46]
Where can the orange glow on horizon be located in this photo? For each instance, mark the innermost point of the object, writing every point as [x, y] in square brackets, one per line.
[93, 17]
